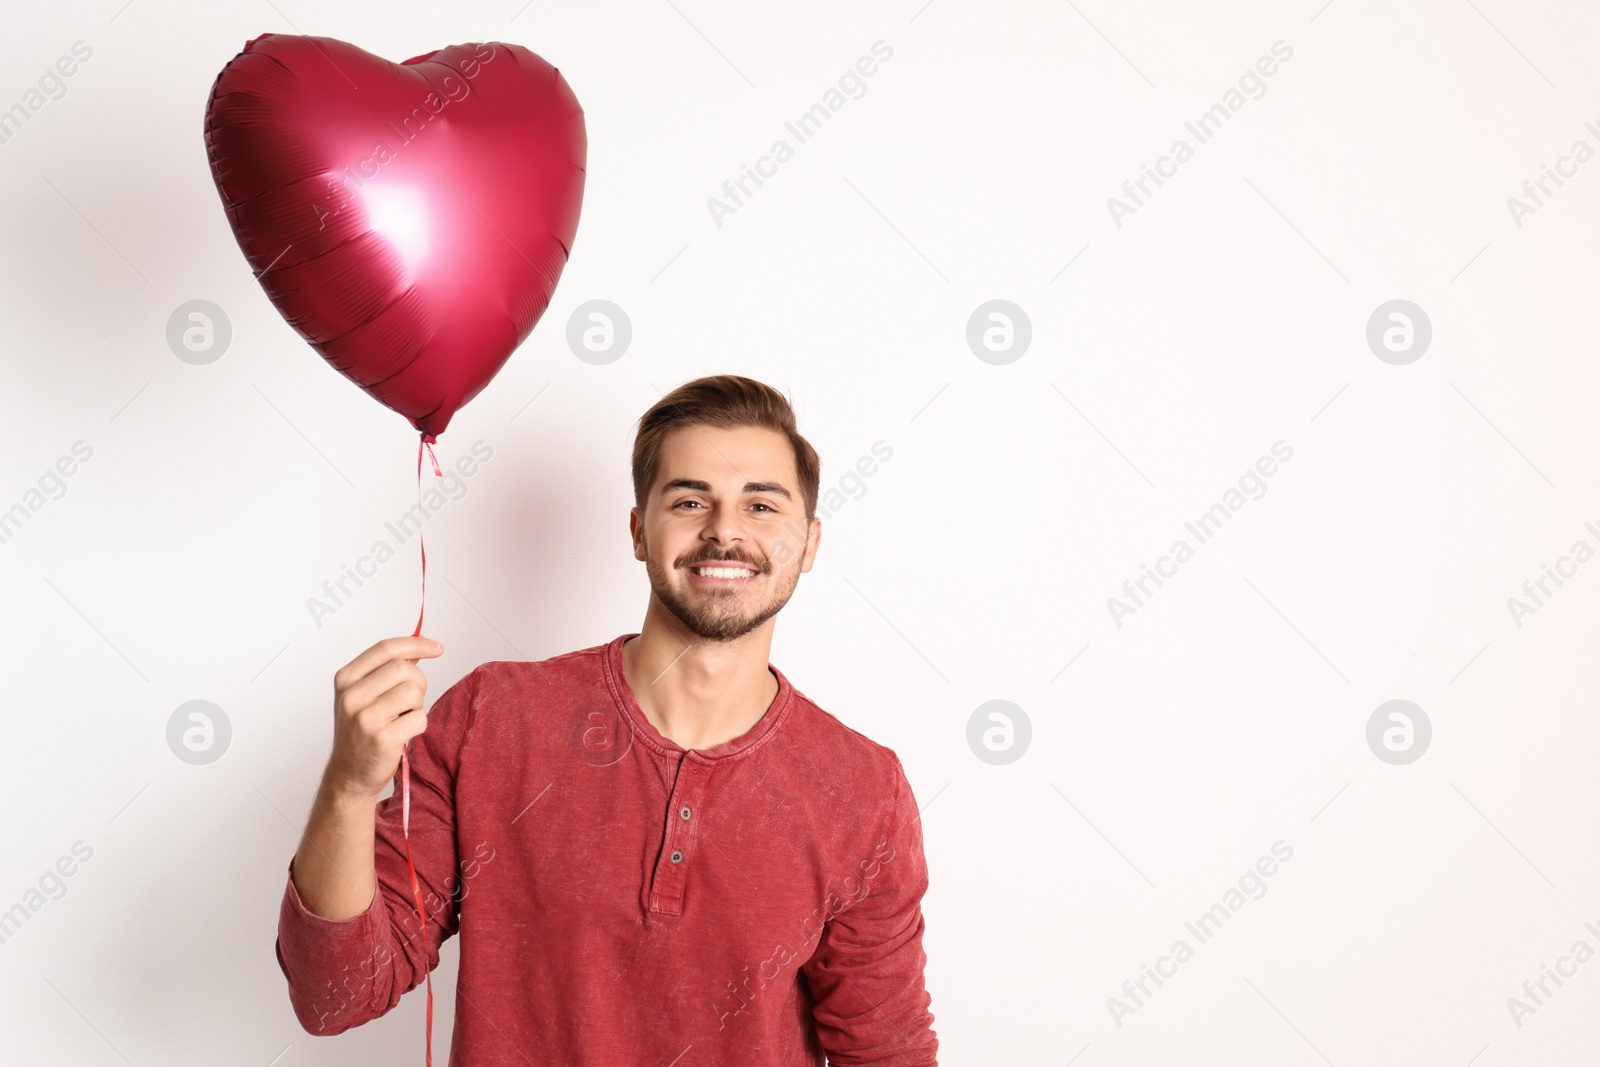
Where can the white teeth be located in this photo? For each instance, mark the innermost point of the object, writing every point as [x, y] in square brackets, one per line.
[723, 572]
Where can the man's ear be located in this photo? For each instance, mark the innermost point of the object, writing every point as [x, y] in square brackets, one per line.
[813, 541]
[636, 532]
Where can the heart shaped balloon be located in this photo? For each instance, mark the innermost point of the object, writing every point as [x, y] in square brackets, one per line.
[409, 220]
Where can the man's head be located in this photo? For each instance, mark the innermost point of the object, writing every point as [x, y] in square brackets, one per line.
[721, 474]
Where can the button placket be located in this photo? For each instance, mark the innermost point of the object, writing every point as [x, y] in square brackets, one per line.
[672, 869]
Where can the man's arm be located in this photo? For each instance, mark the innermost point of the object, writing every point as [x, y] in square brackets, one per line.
[377, 708]
[348, 937]
[866, 976]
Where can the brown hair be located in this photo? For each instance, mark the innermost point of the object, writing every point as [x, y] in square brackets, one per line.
[728, 401]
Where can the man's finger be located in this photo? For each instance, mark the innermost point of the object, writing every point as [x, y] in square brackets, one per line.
[408, 647]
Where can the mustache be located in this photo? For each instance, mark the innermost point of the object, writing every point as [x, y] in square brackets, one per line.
[761, 566]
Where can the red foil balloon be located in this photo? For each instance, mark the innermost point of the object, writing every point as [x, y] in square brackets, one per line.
[409, 220]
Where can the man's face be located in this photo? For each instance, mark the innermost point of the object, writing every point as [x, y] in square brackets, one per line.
[723, 534]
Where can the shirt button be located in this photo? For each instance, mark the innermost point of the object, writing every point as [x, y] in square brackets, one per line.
[677, 857]
[684, 812]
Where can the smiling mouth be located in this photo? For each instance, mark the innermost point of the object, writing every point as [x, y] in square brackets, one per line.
[721, 572]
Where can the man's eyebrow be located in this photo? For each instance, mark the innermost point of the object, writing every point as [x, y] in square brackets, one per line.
[705, 487]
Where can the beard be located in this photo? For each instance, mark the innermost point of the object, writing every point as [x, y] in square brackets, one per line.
[721, 614]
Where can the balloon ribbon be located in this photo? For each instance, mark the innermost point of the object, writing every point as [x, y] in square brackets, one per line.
[405, 764]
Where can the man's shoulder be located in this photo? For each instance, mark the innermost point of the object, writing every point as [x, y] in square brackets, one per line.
[584, 662]
[511, 703]
[833, 743]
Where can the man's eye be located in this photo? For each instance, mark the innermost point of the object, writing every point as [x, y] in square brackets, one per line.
[759, 504]
[681, 503]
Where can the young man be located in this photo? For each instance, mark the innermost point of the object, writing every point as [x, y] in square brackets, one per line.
[656, 850]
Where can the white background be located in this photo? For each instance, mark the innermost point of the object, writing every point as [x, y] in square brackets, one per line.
[1168, 354]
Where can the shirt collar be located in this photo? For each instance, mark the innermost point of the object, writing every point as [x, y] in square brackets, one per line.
[645, 731]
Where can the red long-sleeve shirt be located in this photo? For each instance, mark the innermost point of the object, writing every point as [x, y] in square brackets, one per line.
[624, 902]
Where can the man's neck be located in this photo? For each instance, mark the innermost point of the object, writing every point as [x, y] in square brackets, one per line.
[699, 693]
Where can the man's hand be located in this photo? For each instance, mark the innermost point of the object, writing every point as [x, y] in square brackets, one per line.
[377, 707]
